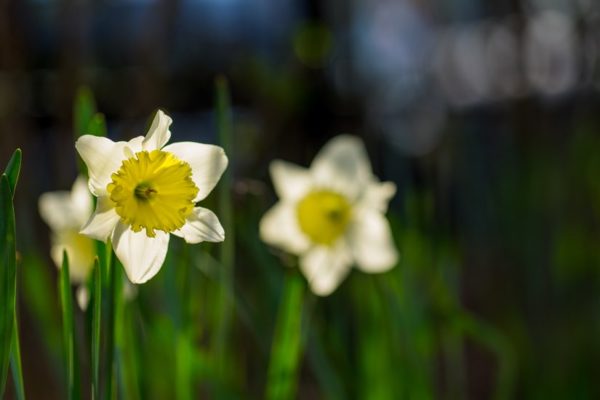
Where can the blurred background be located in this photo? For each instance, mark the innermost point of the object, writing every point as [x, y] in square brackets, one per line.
[486, 115]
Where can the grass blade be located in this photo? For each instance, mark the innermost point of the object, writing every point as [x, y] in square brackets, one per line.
[287, 341]
[15, 362]
[12, 172]
[86, 120]
[226, 249]
[13, 168]
[96, 319]
[7, 276]
[84, 110]
[69, 330]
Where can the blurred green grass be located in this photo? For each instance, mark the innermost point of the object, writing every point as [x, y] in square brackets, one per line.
[199, 330]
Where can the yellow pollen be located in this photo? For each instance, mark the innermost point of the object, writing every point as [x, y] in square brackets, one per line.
[153, 191]
[323, 216]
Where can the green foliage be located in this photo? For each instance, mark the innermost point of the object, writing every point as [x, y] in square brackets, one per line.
[86, 119]
[282, 378]
[69, 333]
[13, 169]
[8, 276]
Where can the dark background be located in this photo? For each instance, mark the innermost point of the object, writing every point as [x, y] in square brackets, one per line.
[485, 114]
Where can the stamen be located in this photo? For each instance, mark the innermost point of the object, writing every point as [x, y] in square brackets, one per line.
[144, 191]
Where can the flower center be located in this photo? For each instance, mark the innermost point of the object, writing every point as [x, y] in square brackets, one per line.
[153, 190]
[323, 216]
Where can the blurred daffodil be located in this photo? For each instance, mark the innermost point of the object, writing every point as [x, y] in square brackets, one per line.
[332, 215]
[65, 213]
[147, 190]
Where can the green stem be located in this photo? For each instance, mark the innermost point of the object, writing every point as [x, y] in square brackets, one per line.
[110, 328]
[96, 320]
[282, 377]
[183, 348]
[69, 330]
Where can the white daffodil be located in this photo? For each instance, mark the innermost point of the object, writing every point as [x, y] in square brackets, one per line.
[331, 215]
[147, 190]
[65, 213]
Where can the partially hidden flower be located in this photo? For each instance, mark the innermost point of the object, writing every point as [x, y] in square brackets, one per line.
[65, 213]
[148, 190]
[331, 215]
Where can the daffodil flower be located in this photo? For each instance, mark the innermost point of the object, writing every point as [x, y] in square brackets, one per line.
[331, 215]
[66, 212]
[148, 190]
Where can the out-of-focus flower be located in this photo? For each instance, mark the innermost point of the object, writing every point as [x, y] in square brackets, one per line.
[65, 213]
[146, 191]
[332, 215]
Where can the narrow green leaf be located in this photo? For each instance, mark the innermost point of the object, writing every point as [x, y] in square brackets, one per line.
[377, 377]
[84, 110]
[13, 168]
[226, 249]
[97, 125]
[70, 347]
[8, 276]
[15, 362]
[37, 282]
[282, 378]
[96, 320]
[86, 120]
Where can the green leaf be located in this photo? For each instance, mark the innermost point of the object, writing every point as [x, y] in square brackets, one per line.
[13, 168]
[8, 278]
[287, 342]
[97, 125]
[70, 346]
[84, 111]
[15, 362]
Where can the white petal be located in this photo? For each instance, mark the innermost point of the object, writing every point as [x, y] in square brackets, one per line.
[342, 165]
[371, 242]
[279, 228]
[103, 157]
[290, 181]
[201, 226]
[56, 210]
[103, 222]
[81, 200]
[141, 256]
[378, 195]
[83, 297]
[159, 134]
[80, 249]
[326, 267]
[207, 162]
